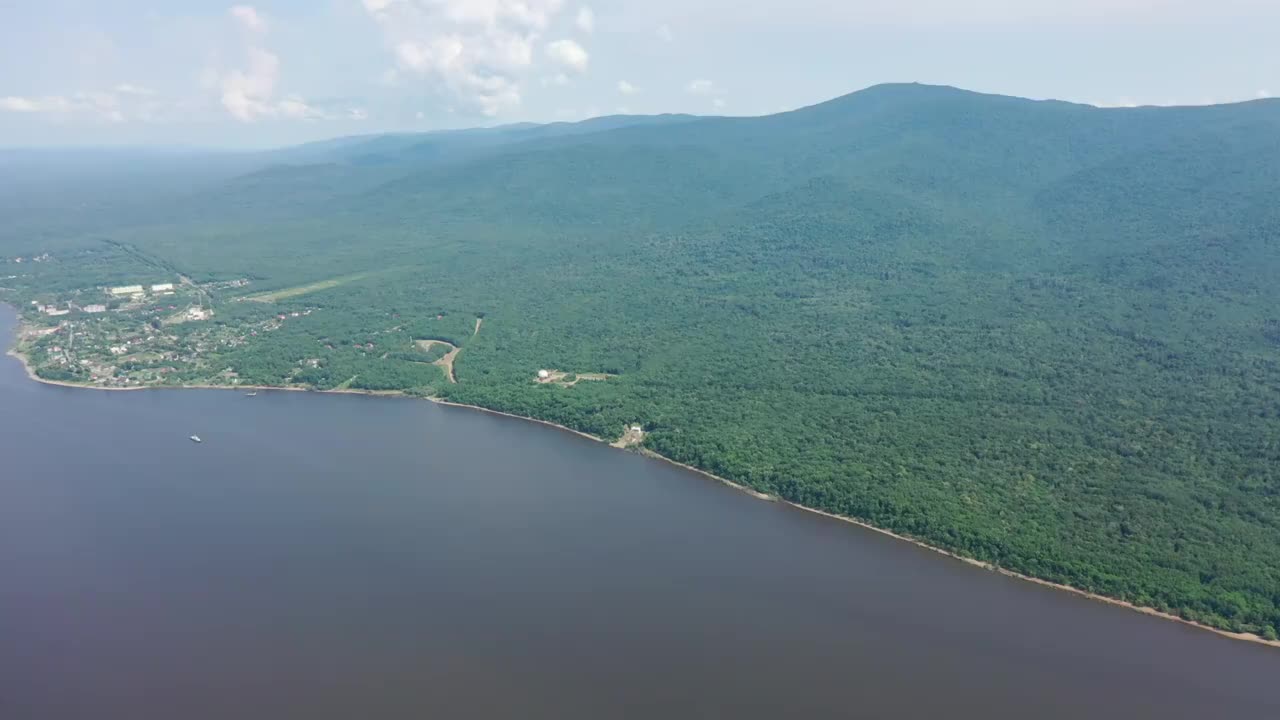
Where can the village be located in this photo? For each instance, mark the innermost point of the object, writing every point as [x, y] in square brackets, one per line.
[134, 335]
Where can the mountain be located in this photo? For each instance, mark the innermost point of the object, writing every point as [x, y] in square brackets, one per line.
[1039, 334]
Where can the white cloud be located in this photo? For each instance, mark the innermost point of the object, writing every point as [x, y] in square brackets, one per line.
[475, 53]
[137, 90]
[707, 89]
[46, 104]
[99, 105]
[535, 14]
[569, 54]
[627, 88]
[586, 20]
[357, 114]
[665, 34]
[103, 104]
[248, 93]
[298, 109]
[496, 95]
[701, 87]
[1263, 94]
[557, 80]
[418, 58]
[249, 18]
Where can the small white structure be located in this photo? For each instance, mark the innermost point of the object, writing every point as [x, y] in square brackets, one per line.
[544, 375]
[94, 309]
[162, 288]
[55, 312]
[127, 290]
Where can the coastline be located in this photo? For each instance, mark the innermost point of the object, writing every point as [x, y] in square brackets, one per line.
[1149, 611]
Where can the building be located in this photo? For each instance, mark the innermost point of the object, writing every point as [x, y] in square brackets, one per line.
[94, 309]
[127, 290]
[55, 312]
[544, 375]
[162, 288]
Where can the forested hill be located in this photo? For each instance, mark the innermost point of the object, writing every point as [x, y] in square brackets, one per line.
[1039, 334]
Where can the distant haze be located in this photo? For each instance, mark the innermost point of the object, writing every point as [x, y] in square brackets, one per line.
[276, 72]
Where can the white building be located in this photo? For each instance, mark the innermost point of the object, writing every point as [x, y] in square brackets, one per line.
[94, 309]
[162, 288]
[127, 290]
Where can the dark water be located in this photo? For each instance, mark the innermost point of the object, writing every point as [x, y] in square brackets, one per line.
[350, 557]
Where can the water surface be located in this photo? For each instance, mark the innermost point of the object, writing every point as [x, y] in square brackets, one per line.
[324, 556]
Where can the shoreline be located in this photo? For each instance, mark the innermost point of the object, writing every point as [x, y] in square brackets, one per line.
[1149, 611]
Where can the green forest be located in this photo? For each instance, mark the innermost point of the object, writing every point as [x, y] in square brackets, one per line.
[1041, 335]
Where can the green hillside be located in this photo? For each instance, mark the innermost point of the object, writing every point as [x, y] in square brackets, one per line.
[1038, 334]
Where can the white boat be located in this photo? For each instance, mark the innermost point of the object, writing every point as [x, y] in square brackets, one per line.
[251, 394]
[196, 439]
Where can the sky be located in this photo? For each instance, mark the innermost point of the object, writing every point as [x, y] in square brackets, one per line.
[262, 73]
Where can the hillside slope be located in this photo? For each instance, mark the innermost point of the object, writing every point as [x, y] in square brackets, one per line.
[1038, 334]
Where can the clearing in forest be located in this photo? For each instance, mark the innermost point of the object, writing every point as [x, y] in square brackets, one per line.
[633, 436]
[566, 379]
[286, 293]
[445, 362]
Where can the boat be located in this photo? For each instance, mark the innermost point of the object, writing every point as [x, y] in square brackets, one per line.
[196, 439]
[251, 394]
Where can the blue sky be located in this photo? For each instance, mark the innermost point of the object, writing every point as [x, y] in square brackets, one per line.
[274, 72]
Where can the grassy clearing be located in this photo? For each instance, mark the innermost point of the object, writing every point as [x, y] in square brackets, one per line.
[285, 294]
[567, 379]
[445, 362]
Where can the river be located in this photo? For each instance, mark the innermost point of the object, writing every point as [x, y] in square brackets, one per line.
[334, 556]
